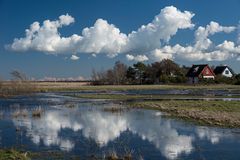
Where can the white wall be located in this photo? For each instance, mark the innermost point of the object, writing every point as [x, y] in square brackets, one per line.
[225, 73]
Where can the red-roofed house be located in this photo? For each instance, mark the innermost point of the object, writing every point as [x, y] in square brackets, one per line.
[197, 72]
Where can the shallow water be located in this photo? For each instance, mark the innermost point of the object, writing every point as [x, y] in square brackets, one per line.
[199, 92]
[83, 128]
[191, 94]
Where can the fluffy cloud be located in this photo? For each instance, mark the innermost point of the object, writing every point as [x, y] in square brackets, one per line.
[238, 38]
[74, 57]
[203, 49]
[160, 54]
[46, 38]
[202, 33]
[138, 58]
[163, 27]
[103, 37]
[146, 41]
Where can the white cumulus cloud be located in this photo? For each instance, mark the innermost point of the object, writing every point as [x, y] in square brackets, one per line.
[202, 33]
[103, 37]
[46, 38]
[163, 27]
[74, 57]
[203, 49]
[147, 42]
[138, 58]
[160, 54]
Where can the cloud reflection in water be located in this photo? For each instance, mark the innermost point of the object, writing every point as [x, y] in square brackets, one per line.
[104, 127]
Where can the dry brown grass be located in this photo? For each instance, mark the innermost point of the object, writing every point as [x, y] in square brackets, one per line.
[38, 112]
[12, 88]
[20, 113]
[216, 113]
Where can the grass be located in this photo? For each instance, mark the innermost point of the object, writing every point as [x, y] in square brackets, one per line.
[215, 113]
[74, 86]
[221, 113]
[20, 113]
[11, 154]
[37, 113]
[149, 97]
[115, 109]
[12, 88]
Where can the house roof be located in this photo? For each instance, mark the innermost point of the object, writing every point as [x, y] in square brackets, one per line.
[220, 69]
[196, 70]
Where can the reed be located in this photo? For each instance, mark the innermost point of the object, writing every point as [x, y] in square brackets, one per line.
[38, 112]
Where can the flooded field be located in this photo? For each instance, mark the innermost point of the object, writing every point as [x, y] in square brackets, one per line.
[161, 94]
[215, 92]
[51, 124]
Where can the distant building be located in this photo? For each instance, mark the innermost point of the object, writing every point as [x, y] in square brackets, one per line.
[224, 71]
[197, 72]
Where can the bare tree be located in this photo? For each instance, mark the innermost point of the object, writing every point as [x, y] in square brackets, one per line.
[1, 85]
[119, 70]
[18, 75]
[20, 83]
[94, 75]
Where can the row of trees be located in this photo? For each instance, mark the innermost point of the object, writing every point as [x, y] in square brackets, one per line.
[163, 72]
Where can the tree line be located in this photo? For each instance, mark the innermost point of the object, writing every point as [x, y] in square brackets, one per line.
[163, 72]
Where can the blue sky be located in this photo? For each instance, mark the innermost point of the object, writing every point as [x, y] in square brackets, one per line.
[96, 49]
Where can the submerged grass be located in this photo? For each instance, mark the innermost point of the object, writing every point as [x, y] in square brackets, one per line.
[37, 113]
[20, 113]
[149, 97]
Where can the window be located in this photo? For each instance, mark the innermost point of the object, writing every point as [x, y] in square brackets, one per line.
[227, 72]
[207, 71]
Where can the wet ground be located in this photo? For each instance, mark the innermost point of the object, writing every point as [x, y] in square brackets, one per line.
[82, 128]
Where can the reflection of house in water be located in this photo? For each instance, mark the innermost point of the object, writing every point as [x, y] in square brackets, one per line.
[224, 71]
[198, 72]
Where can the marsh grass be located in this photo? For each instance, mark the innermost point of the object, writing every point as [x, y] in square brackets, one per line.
[145, 97]
[216, 113]
[70, 105]
[20, 113]
[13, 88]
[38, 112]
[11, 154]
[84, 86]
[112, 155]
[115, 109]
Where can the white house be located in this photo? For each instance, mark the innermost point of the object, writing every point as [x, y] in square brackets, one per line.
[224, 71]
